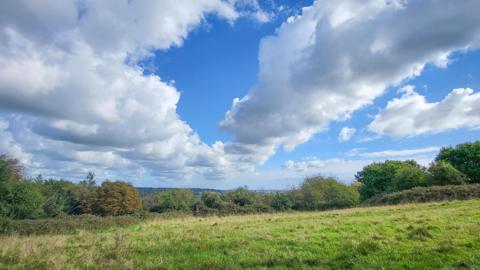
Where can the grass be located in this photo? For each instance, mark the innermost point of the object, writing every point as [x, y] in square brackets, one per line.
[422, 236]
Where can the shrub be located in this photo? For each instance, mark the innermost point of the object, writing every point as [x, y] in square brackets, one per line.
[443, 173]
[20, 199]
[212, 200]
[408, 176]
[377, 178]
[241, 197]
[278, 201]
[171, 200]
[324, 193]
[427, 194]
[116, 198]
[465, 158]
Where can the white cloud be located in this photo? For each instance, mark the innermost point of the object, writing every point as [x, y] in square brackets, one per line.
[346, 134]
[68, 71]
[337, 57]
[345, 168]
[412, 114]
[395, 153]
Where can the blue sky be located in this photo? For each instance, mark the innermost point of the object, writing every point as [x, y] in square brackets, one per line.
[221, 94]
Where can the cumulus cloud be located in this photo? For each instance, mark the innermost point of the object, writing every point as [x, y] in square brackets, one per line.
[346, 134]
[68, 71]
[337, 57]
[412, 115]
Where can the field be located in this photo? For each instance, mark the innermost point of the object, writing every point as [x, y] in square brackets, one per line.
[422, 236]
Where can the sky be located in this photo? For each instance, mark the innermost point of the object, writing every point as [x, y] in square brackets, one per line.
[228, 93]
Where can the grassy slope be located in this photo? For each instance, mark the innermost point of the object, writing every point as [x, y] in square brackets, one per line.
[424, 236]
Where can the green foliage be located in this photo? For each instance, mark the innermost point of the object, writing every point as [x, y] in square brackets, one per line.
[171, 200]
[279, 201]
[465, 158]
[427, 194]
[116, 198]
[407, 177]
[212, 200]
[325, 193]
[57, 194]
[377, 178]
[241, 197]
[443, 173]
[20, 199]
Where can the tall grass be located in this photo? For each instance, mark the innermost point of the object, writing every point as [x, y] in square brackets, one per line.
[424, 236]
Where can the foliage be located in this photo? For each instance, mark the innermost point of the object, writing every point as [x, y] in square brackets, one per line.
[465, 158]
[427, 194]
[20, 199]
[212, 200]
[116, 198]
[407, 177]
[279, 201]
[443, 173]
[171, 200]
[325, 193]
[377, 178]
[10, 169]
[241, 197]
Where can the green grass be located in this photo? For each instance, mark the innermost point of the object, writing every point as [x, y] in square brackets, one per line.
[422, 236]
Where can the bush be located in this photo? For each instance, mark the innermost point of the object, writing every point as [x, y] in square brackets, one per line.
[427, 194]
[443, 173]
[212, 200]
[171, 200]
[241, 197]
[465, 158]
[278, 201]
[116, 198]
[377, 178]
[324, 193]
[407, 177]
[20, 199]
[65, 224]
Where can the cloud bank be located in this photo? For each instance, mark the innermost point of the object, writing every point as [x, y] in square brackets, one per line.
[72, 94]
[337, 57]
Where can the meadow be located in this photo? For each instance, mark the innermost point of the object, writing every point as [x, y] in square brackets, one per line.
[444, 235]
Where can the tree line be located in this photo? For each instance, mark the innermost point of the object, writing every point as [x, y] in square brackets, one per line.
[22, 198]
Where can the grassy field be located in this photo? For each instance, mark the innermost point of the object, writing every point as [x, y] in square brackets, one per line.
[423, 236]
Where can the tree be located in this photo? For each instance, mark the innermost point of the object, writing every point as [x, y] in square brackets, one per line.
[10, 169]
[443, 173]
[376, 178]
[241, 196]
[20, 199]
[320, 193]
[212, 200]
[171, 200]
[407, 177]
[279, 201]
[57, 194]
[465, 158]
[89, 180]
[116, 198]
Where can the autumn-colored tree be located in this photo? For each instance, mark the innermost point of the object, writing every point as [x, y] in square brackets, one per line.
[116, 198]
